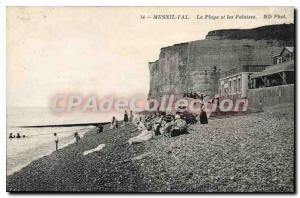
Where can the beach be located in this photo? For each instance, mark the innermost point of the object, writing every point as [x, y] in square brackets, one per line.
[245, 153]
[38, 142]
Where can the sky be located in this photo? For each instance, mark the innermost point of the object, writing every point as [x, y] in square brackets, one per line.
[102, 50]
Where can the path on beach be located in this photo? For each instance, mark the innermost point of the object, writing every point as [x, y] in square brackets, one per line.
[248, 153]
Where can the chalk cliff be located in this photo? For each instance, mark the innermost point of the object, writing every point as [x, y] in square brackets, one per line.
[282, 32]
[196, 66]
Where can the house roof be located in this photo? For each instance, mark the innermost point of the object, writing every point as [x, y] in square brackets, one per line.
[285, 66]
[290, 49]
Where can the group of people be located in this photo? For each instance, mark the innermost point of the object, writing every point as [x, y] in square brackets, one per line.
[56, 139]
[11, 136]
[167, 125]
[115, 124]
[193, 95]
[150, 126]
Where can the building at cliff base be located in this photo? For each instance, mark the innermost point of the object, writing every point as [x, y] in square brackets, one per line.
[222, 64]
[274, 85]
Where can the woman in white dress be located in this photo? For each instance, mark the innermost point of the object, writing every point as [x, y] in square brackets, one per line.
[113, 123]
[145, 135]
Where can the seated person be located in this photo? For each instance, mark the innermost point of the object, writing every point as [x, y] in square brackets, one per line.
[166, 125]
[145, 135]
[11, 135]
[99, 128]
[178, 127]
[157, 124]
[141, 126]
[136, 121]
[18, 135]
[188, 117]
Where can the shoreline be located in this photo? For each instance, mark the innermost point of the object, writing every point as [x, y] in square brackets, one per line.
[50, 166]
[247, 153]
[21, 166]
[62, 125]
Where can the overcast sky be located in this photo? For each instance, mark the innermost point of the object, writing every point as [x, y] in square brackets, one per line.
[102, 51]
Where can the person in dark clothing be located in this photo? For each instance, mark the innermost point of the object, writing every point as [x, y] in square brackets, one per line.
[195, 95]
[188, 117]
[18, 135]
[117, 124]
[179, 126]
[201, 97]
[56, 141]
[203, 117]
[11, 135]
[99, 128]
[125, 118]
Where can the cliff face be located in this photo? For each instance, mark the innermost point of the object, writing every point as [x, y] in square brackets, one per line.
[282, 32]
[168, 74]
[196, 66]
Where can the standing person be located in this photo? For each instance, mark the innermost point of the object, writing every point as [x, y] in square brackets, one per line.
[117, 123]
[113, 123]
[203, 116]
[201, 97]
[77, 137]
[131, 117]
[56, 141]
[125, 118]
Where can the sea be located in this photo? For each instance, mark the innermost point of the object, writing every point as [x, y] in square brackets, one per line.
[41, 123]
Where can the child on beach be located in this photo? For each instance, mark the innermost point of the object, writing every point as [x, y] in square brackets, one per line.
[77, 137]
[56, 141]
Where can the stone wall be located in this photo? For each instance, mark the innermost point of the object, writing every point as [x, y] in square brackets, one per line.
[271, 96]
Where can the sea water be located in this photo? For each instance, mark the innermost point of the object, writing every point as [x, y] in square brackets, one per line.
[39, 141]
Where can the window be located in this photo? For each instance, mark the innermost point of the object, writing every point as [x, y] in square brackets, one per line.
[234, 86]
[239, 85]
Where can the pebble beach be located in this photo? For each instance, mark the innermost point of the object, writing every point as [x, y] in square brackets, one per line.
[244, 153]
